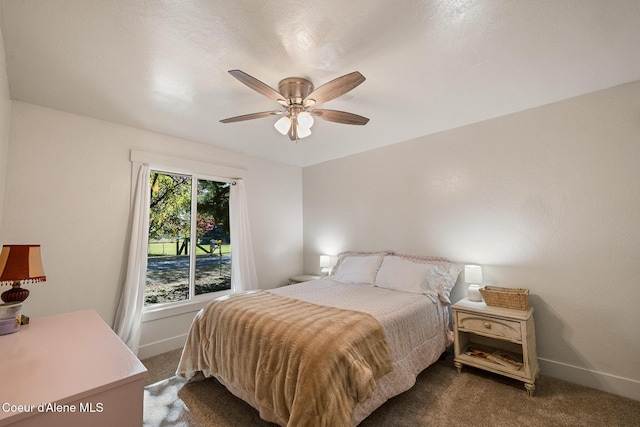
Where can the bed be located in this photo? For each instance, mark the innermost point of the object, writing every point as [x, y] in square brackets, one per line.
[327, 352]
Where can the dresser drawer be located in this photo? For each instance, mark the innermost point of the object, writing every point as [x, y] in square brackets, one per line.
[500, 328]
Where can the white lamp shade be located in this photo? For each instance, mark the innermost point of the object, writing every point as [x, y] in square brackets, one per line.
[325, 261]
[303, 132]
[473, 274]
[305, 120]
[283, 125]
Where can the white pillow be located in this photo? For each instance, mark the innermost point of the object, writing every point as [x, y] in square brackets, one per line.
[358, 269]
[403, 275]
[444, 277]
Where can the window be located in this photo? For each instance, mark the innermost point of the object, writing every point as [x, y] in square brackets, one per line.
[189, 250]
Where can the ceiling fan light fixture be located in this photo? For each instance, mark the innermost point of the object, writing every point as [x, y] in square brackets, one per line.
[283, 125]
[303, 132]
[305, 120]
[297, 94]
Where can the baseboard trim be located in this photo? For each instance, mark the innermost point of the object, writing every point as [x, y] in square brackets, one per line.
[621, 386]
[162, 346]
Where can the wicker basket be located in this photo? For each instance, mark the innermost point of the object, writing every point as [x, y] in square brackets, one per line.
[516, 298]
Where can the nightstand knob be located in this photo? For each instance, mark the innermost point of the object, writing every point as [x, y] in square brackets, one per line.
[487, 325]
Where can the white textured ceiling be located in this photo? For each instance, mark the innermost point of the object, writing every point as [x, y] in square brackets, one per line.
[430, 65]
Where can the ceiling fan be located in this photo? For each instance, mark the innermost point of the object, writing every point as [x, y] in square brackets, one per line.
[297, 96]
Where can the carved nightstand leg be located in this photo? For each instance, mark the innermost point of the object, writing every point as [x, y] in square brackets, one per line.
[458, 365]
[530, 388]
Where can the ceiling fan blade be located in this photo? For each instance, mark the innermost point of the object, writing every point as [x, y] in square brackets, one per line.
[333, 89]
[340, 117]
[257, 85]
[252, 116]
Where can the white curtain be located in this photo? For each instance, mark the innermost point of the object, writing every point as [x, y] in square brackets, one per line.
[129, 314]
[243, 268]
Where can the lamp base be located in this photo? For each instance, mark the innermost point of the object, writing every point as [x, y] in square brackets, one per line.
[474, 293]
[15, 294]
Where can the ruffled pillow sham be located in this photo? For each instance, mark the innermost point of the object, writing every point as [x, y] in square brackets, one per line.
[409, 273]
[442, 277]
[357, 267]
[401, 274]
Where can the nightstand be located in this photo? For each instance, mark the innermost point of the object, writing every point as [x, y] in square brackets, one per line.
[303, 278]
[496, 339]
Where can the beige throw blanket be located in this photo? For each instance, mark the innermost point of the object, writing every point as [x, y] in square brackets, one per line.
[299, 364]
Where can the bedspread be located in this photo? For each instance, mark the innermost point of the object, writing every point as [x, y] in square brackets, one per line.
[416, 328]
[263, 348]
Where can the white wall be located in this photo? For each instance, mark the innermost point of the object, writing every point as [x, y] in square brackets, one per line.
[545, 199]
[5, 119]
[68, 187]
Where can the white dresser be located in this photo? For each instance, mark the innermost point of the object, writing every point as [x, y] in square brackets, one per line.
[69, 370]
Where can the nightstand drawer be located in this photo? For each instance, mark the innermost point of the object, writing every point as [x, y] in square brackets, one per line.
[483, 325]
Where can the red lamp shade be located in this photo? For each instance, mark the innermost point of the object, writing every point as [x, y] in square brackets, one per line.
[20, 264]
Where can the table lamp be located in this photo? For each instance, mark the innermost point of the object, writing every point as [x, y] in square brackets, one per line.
[325, 263]
[473, 276]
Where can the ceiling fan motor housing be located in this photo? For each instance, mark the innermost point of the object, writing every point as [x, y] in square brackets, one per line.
[295, 89]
